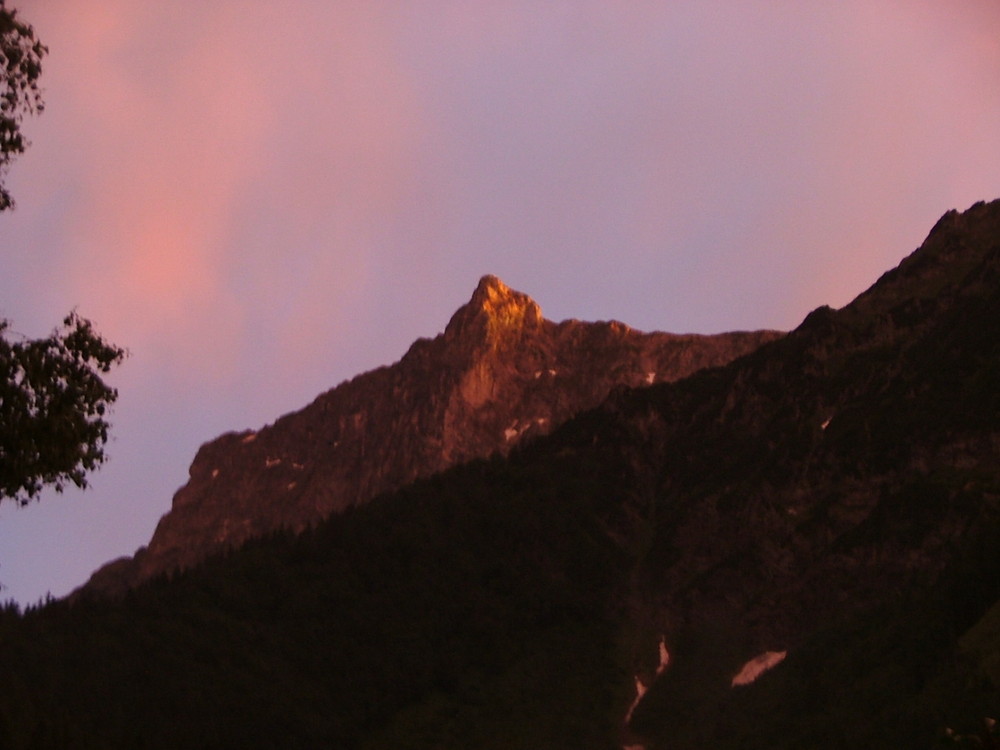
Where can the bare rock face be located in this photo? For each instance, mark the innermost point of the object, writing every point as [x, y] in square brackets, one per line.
[499, 374]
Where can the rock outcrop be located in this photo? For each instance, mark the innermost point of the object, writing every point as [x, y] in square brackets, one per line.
[499, 374]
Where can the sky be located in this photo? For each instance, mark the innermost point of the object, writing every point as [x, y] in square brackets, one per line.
[260, 200]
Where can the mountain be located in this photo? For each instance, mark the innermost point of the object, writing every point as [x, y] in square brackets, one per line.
[838, 489]
[795, 549]
[499, 374]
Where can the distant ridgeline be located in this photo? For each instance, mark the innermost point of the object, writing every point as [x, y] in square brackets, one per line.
[795, 549]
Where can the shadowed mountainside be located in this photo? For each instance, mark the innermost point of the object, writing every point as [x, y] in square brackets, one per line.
[837, 489]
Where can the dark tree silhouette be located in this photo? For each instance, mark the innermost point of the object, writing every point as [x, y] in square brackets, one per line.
[53, 402]
[53, 408]
[20, 66]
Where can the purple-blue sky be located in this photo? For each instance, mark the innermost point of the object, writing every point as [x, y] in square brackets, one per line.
[263, 199]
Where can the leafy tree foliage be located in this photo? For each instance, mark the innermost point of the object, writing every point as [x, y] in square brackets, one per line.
[53, 401]
[53, 407]
[20, 66]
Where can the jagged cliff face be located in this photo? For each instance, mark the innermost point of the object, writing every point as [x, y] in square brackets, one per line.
[498, 375]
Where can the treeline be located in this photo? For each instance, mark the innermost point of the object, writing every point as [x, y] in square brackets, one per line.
[472, 610]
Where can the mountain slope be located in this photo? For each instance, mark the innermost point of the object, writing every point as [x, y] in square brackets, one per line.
[827, 473]
[498, 374]
[829, 503]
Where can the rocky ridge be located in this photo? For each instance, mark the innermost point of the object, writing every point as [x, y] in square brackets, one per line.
[499, 374]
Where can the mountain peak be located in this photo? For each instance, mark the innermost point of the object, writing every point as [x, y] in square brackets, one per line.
[491, 286]
[494, 308]
[499, 375]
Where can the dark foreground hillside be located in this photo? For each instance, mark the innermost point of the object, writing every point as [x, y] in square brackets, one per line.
[434, 616]
[830, 503]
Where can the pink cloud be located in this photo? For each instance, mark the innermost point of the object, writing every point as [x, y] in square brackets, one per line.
[196, 125]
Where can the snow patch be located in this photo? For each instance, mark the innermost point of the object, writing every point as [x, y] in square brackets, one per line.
[826, 423]
[640, 687]
[664, 657]
[757, 666]
[640, 690]
[298, 466]
[515, 430]
[650, 377]
[291, 485]
[269, 462]
[249, 438]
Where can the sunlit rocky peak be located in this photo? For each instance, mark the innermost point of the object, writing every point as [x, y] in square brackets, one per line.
[494, 309]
